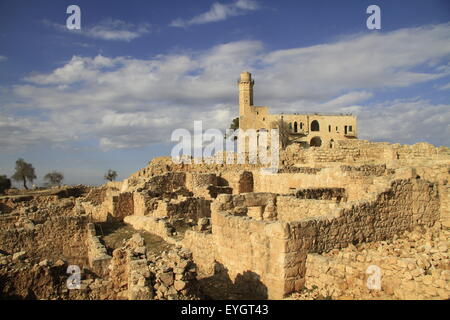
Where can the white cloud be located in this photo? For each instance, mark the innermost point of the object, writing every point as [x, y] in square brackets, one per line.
[124, 102]
[406, 121]
[108, 29]
[219, 12]
[363, 62]
[345, 100]
[77, 69]
[17, 132]
[3, 58]
[445, 87]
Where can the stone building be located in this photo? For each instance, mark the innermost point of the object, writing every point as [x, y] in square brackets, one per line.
[315, 130]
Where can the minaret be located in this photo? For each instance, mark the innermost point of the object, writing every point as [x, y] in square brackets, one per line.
[245, 93]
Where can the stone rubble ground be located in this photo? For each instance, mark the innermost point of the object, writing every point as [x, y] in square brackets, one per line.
[415, 265]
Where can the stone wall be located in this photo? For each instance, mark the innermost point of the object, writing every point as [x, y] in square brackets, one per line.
[413, 266]
[136, 274]
[441, 174]
[182, 208]
[244, 245]
[333, 177]
[198, 183]
[96, 196]
[363, 151]
[96, 252]
[407, 203]
[293, 209]
[276, 251]
[143, 203]
[58, 236]
[123, 205]
[335, 194]
[203, 252]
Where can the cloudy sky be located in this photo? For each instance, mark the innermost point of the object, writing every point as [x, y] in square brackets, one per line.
[109, 95]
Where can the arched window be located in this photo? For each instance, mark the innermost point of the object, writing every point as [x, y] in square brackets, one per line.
[315, 126]
[329, 128]
[315, 142]
[290, 126]
[295, 126]
[301, 125]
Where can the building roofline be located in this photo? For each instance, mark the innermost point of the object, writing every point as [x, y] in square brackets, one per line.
[336, 114]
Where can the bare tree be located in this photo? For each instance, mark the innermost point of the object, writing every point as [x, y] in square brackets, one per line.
[24, 172]
[54, 178]
[284, 132]
[111, 175]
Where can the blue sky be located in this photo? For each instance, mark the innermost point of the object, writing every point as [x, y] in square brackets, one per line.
[109, 95]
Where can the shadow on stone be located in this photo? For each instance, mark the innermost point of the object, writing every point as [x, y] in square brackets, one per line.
[246, 286]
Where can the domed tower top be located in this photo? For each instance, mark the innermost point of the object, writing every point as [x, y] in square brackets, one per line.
[246, 76]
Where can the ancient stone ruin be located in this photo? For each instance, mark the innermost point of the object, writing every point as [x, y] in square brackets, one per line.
[200, 231]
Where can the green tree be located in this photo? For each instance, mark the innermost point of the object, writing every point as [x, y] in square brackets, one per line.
[54, 178]
[284, 132]
[24, 172]
[235, 124]
[111, 175]
[5, 183]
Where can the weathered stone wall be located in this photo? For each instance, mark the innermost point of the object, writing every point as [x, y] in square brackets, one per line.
[58, 236]
[136, 274]
[406, 204]
[363, 151]
[96, 196]
[182, 208]
[143, 203]
[100, 204]
[368, 170]
[166, 182]
[411, 267]
[441, 174]
[333, 177]
[293, 209]
[335, 194]
[244, 245]
[245, 182]
[123, 205]
[444, 192]
[202, 248]
[276, 251]
[198, 183]
[96, 252]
